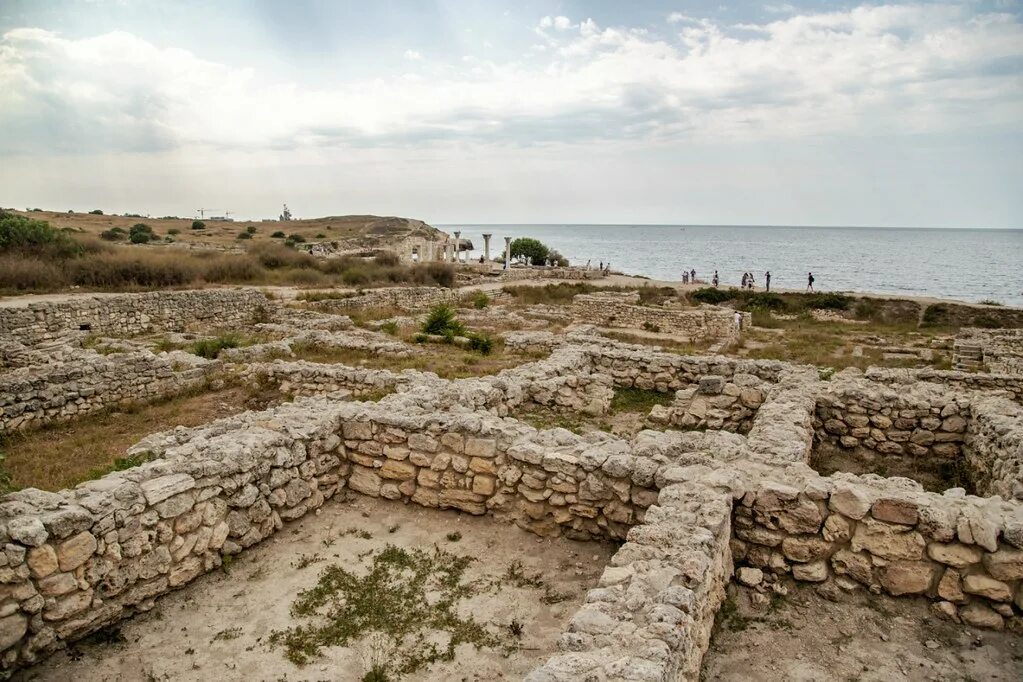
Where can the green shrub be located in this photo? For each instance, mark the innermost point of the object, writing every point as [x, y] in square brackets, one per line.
[827, 302]
[389, 327]
[764, 301]
[96, 212]
[173, 231]
[210, 348]
[480, 300]
[140, 233]
[114, 234]
[251, 229]
[278, 235]
[480, 343]
[714, 296]
[25, 235]
[420, 338]
[442, 321]
[198, 225]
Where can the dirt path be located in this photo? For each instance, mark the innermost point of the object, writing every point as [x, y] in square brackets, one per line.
[217, 628]
[804, 637]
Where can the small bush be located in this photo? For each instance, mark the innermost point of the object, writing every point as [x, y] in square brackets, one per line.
[273, 256]
[198, 225]
[230, 268]
[96, 211]
[389, 327]
[173, 231]
[320, 235]
[210, 348]
[251, 229]
[764, 301]
[114, 234]
[278, 235]
[25, 235]
[295, 237]
[386, 259]
[244, 235]
[480, 300]
[988, 301]
[714, 296]
[141, 233]
[27, 273]
[827, 302]
[442, 321]
[480, 343]
[420, 338]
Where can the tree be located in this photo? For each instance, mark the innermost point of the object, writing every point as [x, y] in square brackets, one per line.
[141, 233]
[529, 250]
[198, 225]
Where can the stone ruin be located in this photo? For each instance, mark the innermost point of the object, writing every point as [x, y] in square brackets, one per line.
[727, 490]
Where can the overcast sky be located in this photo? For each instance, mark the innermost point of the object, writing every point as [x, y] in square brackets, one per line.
[800, 113]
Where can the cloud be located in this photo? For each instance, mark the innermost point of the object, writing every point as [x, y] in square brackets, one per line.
[866, 70]
[413, 56]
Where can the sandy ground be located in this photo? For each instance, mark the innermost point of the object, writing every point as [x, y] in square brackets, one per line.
[178, 640]
[803, 637]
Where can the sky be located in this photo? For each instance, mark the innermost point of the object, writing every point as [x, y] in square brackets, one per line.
[767, 113]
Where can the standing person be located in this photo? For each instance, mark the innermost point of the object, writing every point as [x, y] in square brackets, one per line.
[750, 281]
[738, 321]
[745, 276]
[587, 264]
[809, 281]
[692, 276]
[601, 266]
[767, 280]
[715, 280]
[607, 268]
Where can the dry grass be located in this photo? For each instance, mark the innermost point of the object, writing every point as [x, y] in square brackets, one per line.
[445, 360]
[62, 455]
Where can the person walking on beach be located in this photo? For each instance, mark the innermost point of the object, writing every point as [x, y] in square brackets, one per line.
[767, 280]
[715, 280]
[809, 281]
[692, 276]
[749, 282]
[745, 276]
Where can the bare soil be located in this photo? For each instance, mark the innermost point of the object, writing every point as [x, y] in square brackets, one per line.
[218, 627]
[803, 636]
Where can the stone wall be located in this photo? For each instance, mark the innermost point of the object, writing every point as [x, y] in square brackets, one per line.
[518, 274]
[994, 447]
[714, 404]
[403, 298]
[127, 314]
[1000, 351]
[962, 381]
[614, 309]
[34, 396]
[920, 420]
[887, 535]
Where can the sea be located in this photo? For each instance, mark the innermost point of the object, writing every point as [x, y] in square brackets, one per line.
[962, 264]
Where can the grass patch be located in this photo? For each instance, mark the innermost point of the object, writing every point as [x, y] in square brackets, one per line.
[404, 600]
[61, 455]
[639, 400]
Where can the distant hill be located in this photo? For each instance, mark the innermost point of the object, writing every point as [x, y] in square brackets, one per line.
[351, 232]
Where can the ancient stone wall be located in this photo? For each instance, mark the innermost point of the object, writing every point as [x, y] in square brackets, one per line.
[404, 298]
[963, 381]
[1000, 351]
[694, 324]
[518, 274]
[31, 397]
[921, 420]
[126, 314]
[714, 403]
[994, 447]
[887, 535]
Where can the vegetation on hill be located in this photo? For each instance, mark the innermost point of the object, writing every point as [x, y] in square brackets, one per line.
[35, 256]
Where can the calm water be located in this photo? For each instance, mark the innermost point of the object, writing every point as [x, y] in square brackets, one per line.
[969, 265]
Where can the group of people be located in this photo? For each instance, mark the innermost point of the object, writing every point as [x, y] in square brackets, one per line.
[748, 282]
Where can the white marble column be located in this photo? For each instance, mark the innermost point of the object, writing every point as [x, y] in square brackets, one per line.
[486, 247]
[458, 244]
[507, 252]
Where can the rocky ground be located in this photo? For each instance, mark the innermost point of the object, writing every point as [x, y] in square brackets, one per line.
[803, 637]
[219, 626]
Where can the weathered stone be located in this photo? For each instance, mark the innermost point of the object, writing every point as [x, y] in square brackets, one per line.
[751, 577]
[365, 481]
[985, 586]
[895, 510]
[76, 551]
[42, 561]
[804, 548]
[12, 629]
[1005, 564]
[887, 541]
[814, 572]
[950, 586]
[954, 554]
[908, 577]
[981, 616]
[159, 489]
[849, 500]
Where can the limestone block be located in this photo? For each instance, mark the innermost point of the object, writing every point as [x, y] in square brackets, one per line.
[849, 500]
[12, 629]
[397, 470]
[159, 489]
[804, 548]
[887, 541]
[950, 587]
[365, 481]
[980, 615]
[985, 586]
[42, 561]
[815, 572]
[75, 551]
[954, 554]
[895, 510]
[908, 577]
[1005, 564]
[857, 565]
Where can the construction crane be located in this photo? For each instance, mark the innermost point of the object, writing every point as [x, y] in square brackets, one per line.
[203, 211]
